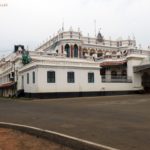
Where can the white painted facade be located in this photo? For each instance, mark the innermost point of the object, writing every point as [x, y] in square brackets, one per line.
[80, 69]
[111, 62]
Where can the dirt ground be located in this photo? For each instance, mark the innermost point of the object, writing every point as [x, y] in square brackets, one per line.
[15, 140]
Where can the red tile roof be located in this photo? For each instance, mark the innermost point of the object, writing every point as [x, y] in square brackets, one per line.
[112, 63]
[7, 85]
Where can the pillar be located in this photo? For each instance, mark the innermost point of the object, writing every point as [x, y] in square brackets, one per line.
[80, 52]
[72, 50]
[62, 49]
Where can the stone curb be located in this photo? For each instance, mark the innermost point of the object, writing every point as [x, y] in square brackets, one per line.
[68, 141]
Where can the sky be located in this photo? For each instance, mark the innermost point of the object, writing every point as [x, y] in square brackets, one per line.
[30, 22]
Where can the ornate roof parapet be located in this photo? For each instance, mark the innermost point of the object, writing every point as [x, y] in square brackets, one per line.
[100, 38]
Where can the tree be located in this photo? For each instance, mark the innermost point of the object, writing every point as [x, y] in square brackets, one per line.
[26, 59]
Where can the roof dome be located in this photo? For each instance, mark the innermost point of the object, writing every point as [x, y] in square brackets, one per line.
[100, 37]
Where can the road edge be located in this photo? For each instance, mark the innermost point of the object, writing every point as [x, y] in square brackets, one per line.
[65, 140]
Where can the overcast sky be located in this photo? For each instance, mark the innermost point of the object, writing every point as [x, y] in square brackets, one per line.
[30, 22]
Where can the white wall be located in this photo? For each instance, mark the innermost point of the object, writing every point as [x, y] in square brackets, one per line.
[119, 87]
[136, 77]
[81, 78]
[81, 81]
[61, 85]
[31, 87]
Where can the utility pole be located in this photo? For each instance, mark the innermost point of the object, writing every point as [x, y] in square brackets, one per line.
[63, 25]
[95, 30]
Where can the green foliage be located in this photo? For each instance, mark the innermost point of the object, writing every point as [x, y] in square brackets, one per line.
[26, 59]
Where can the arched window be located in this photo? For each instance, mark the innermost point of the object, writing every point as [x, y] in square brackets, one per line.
[107, 54]
[100, 53]
[75, 51]
[92, 52]
[85, 51]
[113, 53]
[67, 49]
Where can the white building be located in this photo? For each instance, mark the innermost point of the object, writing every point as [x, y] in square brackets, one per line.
[71, 65]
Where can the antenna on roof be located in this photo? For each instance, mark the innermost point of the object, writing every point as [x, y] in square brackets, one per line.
[63, 24]
[100, 29]
[133, 36]
[27, 47]
[78, 29]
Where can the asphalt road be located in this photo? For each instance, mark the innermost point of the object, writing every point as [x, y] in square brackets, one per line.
[122, 122]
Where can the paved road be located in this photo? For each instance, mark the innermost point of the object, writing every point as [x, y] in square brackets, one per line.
[121, 122]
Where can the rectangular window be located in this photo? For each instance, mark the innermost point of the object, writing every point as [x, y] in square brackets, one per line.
[27, 78]
[50, 77]
[33, 76]
[70, 77]
[22, 80]
[90, 77]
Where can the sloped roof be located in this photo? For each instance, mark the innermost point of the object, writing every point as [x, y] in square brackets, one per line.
[7, 85]
[112, 63]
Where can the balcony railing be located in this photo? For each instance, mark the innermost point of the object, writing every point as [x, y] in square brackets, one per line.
[123, 57]
[140, 52]
[116, 79]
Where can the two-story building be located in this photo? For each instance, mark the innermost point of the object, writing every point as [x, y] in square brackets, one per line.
[70, 64]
